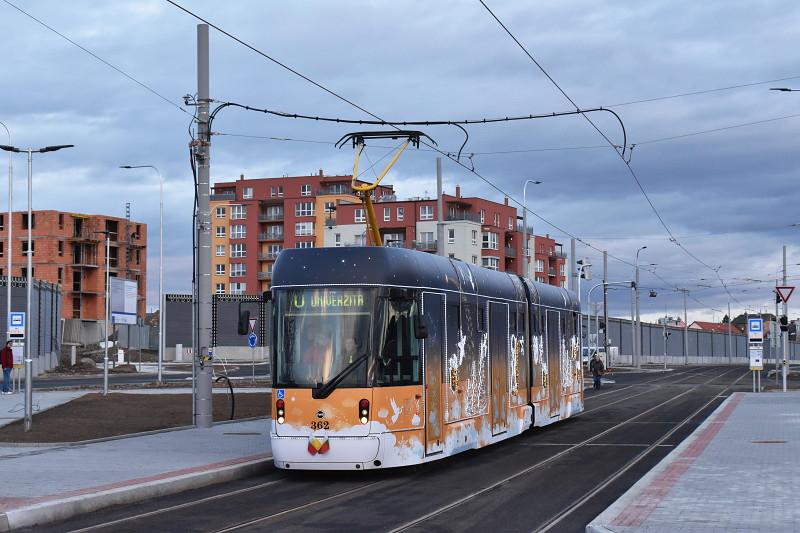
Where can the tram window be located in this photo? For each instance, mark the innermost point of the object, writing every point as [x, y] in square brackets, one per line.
[512, 321]
[399, 361]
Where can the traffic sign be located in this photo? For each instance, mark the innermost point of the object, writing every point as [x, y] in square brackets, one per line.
[252, 340]
[755, 329]
[252, 325]
[785, 292]
[16, 325]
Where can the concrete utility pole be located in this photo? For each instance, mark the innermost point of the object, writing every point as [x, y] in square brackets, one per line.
[730, 346]
[605, 309]
[785, 336]
[685, 329]
[202, 152]
[573, 270]
[108, 314]
[638, 328]
[439, 210]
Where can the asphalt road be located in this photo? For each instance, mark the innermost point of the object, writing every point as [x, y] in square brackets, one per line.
[557, 478]
[241, 370]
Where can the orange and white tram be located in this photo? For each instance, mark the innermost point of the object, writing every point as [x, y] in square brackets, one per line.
[388, 357]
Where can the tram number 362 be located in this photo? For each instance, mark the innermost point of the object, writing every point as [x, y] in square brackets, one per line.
[322, 424]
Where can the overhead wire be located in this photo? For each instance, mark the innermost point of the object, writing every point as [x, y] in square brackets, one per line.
[98, 58]
[620, 153]
[434, 148]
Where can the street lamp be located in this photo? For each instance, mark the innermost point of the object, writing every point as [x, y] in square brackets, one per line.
[525, 249]
[160, 263]
[108, 305]
[784, 89]
[10, 223]
[636, 324]
[604, 284]
[28, 360]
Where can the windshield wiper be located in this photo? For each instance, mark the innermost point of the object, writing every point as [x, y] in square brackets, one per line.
[323, 391]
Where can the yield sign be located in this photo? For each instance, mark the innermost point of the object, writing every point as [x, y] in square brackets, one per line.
[252, 325]
[785, 293]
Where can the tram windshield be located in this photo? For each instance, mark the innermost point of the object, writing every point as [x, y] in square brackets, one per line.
[322, 332]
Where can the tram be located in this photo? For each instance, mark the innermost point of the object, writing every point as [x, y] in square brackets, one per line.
[387, 357]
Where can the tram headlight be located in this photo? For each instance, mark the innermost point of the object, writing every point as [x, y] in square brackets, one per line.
[363, 411]
[280, 411]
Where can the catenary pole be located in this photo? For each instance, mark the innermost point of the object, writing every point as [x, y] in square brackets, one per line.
[605, 309]
[29, 284]
[108, 307]
[439, 210]
[203, 156]
[574, 280]
[785, 336]
[685, 330]
[730, 346]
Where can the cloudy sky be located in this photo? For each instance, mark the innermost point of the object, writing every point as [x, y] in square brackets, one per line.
[729, 197]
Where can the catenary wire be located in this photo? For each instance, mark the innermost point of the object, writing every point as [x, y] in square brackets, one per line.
[97, 57]
[445, 154]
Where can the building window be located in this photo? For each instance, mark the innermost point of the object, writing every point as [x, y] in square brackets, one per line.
[426, 237]
[426, 212]
[61, 248]
[220, 213]
[220, 231]
[304, 209]
[563, 284]
[497, 219]
[492, 263]
[25, 248]
[562, 269]
[238, 270]
[474, 237]
[25, 221]
[539, 265]
[238, 231]
[451, 236]
[2, 250]
[387, 214]
[305, 190]
[330, 207]
[395, 240]
[401, 213]
[239, 250]
[511, 223]
[276, 192]
[60, 275]
[220, 288]
[238, 288]
[539, 279]
[238, 212]
[359, 215]
[274, 250]
[474, 259]
[360, 240]
[61, 221]
[2, 222]
[220, 250]
[304, 229]
[220, 269]
[489, 240]
[337, 239]
[304, 244]
[483, 216]
[247, 193]
[24, 272]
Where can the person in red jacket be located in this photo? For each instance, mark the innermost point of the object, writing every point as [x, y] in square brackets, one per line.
[7, 362]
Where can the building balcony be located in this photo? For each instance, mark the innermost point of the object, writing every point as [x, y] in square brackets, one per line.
[88, 235]
[560, 255]
[551, 272]
[272, 200]
[330, 222]
[78, 289]
[268, 256]
[264, 276]
[270, 217]
[425, 246]
[270, 236]
[511, 252]
[220, 196]
[472, 217]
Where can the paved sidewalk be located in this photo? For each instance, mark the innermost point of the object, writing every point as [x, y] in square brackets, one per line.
[44, 484]
[737, 472]
[12, 406]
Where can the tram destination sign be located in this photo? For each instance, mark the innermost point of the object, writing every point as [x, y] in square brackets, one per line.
[325, 299]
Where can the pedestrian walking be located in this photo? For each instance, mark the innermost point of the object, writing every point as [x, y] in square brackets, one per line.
[597, 369]
[7, 362]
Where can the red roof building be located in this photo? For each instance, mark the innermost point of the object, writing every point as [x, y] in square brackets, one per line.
[715, 327]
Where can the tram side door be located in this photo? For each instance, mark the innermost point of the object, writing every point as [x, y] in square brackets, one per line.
[498, 355]
[434, 320]
[554, 361]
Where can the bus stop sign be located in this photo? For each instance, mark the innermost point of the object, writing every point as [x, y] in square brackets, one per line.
[755, 329]
[16, 325]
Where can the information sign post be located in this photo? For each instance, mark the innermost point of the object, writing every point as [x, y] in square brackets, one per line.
[252, 341]
[755, 348]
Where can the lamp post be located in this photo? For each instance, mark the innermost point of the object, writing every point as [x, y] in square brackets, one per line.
[525, 249]
[636, 326]
[107, 308]
[605, 284]
[160, 264]
[29, 275]
[10, 222]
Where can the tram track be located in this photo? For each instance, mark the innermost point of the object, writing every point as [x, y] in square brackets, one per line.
[310, 495]
[570, 449]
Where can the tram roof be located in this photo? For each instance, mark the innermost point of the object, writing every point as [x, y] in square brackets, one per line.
[388, 266]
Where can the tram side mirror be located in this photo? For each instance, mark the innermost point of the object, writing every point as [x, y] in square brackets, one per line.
[420, 330]
[244, 322]
[266, 296]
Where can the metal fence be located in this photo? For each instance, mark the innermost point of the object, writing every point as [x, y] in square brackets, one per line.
[703, 346]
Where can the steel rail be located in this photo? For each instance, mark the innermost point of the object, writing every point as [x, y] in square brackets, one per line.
[544, 462]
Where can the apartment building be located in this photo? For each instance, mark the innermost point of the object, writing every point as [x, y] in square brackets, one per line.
[255, 219]
[69, 249]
